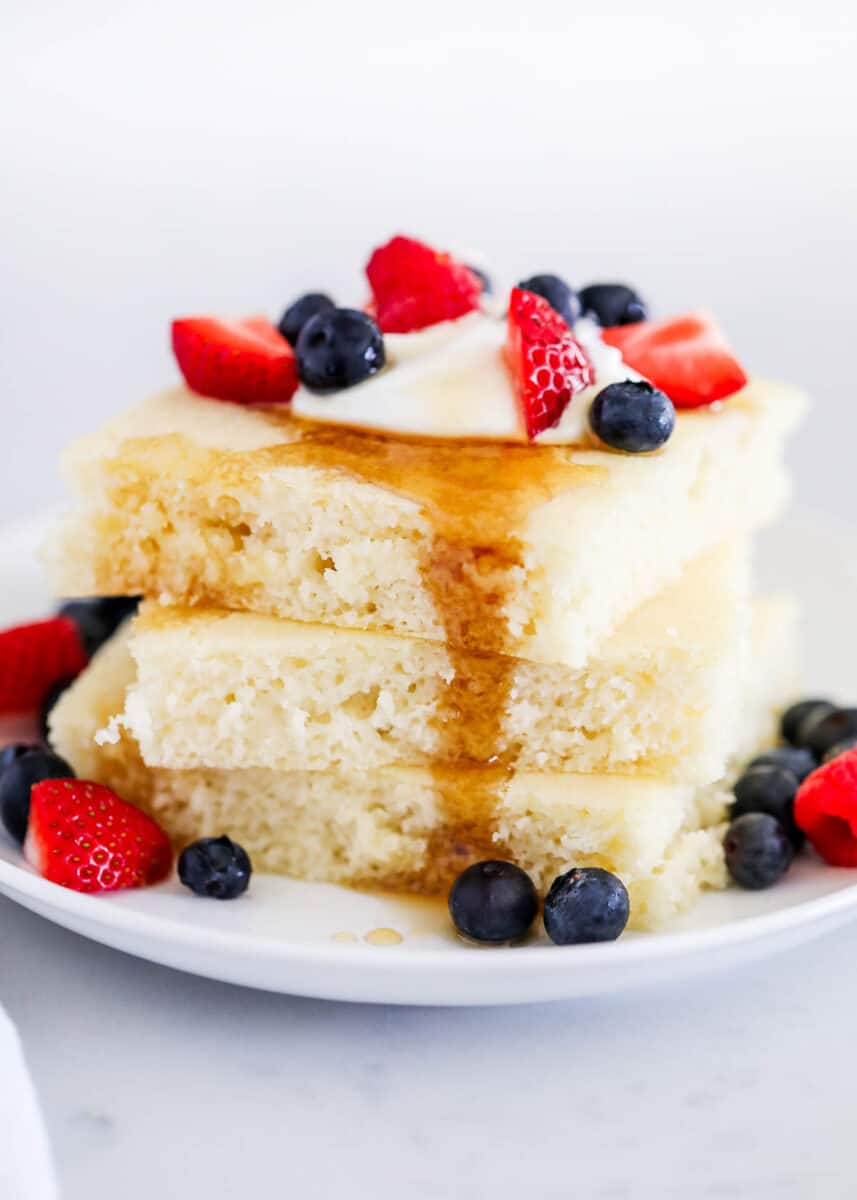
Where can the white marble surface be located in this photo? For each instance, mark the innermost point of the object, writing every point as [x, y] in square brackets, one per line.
[158, 1084]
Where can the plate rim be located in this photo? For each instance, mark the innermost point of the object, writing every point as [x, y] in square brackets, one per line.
[656, 946]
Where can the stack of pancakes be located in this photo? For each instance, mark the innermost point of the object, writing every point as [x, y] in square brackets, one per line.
[374, 660]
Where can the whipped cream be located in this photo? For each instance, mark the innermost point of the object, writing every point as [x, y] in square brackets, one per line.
[451, 381]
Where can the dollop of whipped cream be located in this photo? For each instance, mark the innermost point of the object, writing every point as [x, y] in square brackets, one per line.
[451, 381]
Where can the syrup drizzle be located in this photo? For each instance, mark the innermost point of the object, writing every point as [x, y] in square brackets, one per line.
[476, 497]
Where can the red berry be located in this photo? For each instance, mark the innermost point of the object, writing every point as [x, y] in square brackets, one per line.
[245, 362]
[414, 286]
[82, 836]
[686, 357]
[826, 810]
[35, 658]
[548, 366]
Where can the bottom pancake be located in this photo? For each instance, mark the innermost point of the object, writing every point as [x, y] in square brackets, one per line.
[414, 829]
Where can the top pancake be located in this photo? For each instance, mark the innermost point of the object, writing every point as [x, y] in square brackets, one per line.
[538, 552]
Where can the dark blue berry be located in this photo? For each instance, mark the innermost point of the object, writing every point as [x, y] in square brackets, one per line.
[769, 789]
[794, 759]
[632, 416]
[296, 315]
[586, 904]
[215, 867]
[849, 743]
[493, 902]
[99, 618]
[484, 278]
[17, 780]
[49, 703]
[558, 294]
[819, 732]
[758, 850]
[339, 348]
[794, 717]
[9, 753]
[612, 304]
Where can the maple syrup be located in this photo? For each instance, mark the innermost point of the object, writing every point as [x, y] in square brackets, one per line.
[383, 937]
[476, 497]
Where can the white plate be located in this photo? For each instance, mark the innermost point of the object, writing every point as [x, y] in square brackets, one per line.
[287, 936]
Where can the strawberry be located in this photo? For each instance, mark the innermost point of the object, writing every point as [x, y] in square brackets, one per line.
[35, 658]
[826, 810]
[82, 836]
[414, 286]
[548, 366]
[686, 357]
[245, 362]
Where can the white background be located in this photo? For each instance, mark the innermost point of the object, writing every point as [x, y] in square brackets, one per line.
[165, 158]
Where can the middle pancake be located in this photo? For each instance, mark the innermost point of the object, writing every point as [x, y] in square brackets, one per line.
[659, 697]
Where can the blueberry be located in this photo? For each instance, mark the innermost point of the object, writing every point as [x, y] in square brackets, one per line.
[339, 348]
[9, 753]
[849, 743]
[493, 902]
[99, 618]
[612, 304]
[586, 904]
[794, 759]
[215, 867]
[484, 278]
[821, 731]
[16, 782]
[296, 315]
[558, 294]
[769, 789]
[794, 717]
[632, 416]
[758, 850]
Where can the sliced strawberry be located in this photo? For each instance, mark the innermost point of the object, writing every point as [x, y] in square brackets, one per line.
[826, 810]
[414, 286]
[686, 357]
[35, 658]
[82, 836]
[548, 366]
[245, 362]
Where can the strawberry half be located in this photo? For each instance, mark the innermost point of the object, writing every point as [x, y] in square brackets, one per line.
[687, 357]
[414, 286]
[34, 658]
[244, 362]
[826, 810]
[548, 366]
[82, 836]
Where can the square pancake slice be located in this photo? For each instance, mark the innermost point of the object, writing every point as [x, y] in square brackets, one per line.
[660, 697]
[533, 552]
[415, 828]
